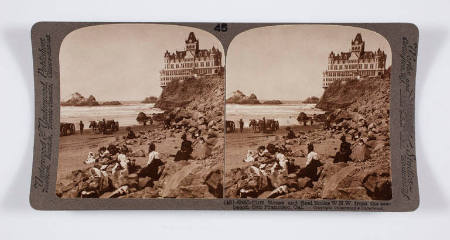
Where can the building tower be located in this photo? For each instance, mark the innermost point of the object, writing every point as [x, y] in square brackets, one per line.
[192, 44]
[358, 45]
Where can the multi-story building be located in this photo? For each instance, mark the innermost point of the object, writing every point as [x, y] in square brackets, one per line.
[190, 63]
[354, 64]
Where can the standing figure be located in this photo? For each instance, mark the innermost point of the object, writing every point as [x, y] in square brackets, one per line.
[264, 125]
[81, 127]
[241, 125]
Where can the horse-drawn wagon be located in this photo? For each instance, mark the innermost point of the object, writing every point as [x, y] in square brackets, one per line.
[104, 126]
[230, 126]
[265, 126]
[66, 129]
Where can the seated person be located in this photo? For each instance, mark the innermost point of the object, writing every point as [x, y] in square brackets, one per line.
[130, 134]
[186, 149]
[281, 161]
[312, 163]
[291, 134]
[104, 157]
[343, 155]
[153, 168]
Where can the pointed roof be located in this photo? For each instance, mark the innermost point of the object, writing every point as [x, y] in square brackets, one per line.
[358, 38]
[191, 38]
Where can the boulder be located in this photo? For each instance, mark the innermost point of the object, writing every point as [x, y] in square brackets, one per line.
[138, 153]
[304, 182]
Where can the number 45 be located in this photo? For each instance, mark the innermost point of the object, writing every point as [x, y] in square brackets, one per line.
[221, 27]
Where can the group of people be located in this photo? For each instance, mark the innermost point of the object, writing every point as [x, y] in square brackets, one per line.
[187, 151]
[273, 161]
[114, 171]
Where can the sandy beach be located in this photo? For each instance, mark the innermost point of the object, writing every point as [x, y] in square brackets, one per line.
[74, 149]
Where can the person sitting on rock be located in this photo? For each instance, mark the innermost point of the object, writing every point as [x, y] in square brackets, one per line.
[130, 134]
[103, 156]
[154, 166]
[120, 171]
[186, 149]
[112, 149]
[262, 152]
[90, 159]
[291, 134]
[281, 161]
[196, 134]
[97, 184]
[343, 155]
[312, 164]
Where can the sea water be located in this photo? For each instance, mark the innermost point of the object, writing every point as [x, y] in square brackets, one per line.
[125, 114]
[286, 113]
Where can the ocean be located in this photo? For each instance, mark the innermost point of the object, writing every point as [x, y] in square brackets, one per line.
[125, 114]
[286, 113]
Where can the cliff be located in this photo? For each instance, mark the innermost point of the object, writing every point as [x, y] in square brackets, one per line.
[195, 105]
[181, 93]
[343, 94]
[240, 98]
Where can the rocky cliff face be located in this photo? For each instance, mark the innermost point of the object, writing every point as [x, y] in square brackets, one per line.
[343, 94]
[192, 91]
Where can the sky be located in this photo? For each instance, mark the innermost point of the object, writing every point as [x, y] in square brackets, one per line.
[121, 61]
[286, 62]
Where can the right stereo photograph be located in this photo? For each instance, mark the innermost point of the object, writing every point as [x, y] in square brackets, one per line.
[307, 114]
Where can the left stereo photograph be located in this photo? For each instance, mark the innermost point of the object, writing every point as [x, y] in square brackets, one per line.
[136, 101]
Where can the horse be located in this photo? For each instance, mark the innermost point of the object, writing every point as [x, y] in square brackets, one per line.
[230, 125]
[93, 125]
[271, 125]
[101, 127]
[253, 124]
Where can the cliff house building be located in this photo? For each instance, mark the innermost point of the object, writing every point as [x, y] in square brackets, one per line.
[354, 64]
[191, 63]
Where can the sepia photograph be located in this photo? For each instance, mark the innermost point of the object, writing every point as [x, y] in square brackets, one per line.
[307, 114]
[141, 113]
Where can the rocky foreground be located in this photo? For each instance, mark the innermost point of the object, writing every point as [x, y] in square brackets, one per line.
[358, 110]
[193, 107]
